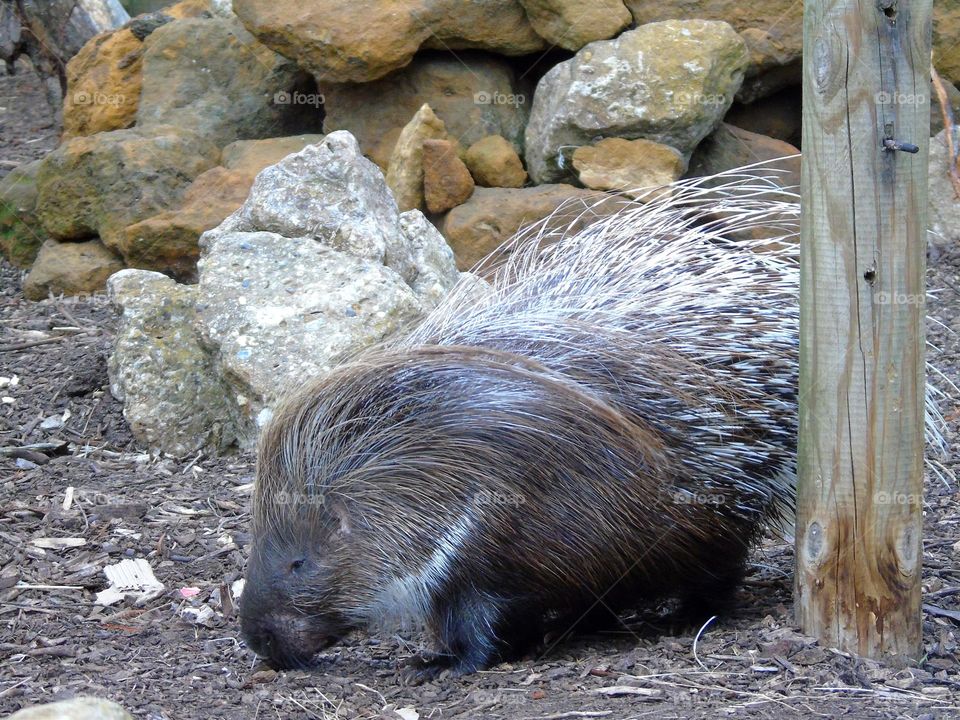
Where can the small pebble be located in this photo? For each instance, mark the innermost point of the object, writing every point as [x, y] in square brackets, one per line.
[54, 422]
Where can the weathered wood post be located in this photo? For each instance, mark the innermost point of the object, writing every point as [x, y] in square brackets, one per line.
[866, 87]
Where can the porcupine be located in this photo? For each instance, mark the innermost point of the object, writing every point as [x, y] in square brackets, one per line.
[613, 423]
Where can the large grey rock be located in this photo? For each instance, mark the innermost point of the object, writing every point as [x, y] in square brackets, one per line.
[280, 310]
[174, 397]
[670, 82]
[316, 263]
[81, 708]
[212, 76]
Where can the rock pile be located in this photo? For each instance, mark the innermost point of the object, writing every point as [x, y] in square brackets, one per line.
[263, 167]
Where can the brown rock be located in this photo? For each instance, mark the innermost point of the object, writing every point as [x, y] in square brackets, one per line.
[104, 79]
[252, 156]
[103, 84]
[100, 184]
[946, 30]
[944, 205]
[71, 269]
[731, 147]
[493, 215]
[446, 180]
[168, 242]
[571, 24]
[211, 76]
[474, 95]
[20, 233]
[772, 30]
[405, 176]
[618, 164]
[364, 40]
[493, 162]
[381, 151]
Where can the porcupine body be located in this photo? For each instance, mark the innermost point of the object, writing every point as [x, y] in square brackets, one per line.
[613, 423]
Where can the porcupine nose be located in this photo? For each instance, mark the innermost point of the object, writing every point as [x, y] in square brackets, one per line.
[273, 636]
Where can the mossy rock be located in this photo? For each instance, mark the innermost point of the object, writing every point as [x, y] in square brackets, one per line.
[20, 232]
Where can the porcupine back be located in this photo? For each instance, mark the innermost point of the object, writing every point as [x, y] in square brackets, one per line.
[662, 312]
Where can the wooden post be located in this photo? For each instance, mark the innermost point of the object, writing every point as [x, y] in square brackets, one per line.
[866, 87]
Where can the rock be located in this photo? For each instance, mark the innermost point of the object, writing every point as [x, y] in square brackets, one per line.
[730, 147]
[143, 25]
[252, 156]
[772, 31]
[936, 111]
[80, 708]
[669, 82]
[173, 394]
[946, 30]
[405, 176]
[475, 95]
[70, 268]
[212, 76]
[105, 76]
[331, 193]
[493, 162]
[493, 215]
[339, 42]
[571, 24]
[270, 311]
[431, 256]
[944, 205]
[99, 185]
[280, 310]
[20, 233]
[65, 26]
[168, 242]
[618, 164]
[446, 180]
[103, 84]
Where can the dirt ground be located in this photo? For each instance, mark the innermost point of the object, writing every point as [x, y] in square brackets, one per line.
[85, 497]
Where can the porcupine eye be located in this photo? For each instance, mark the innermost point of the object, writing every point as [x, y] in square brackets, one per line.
[296, 565]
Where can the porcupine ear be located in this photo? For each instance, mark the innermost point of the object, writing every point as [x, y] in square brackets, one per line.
[338, 510]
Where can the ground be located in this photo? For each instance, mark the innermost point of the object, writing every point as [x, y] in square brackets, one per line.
[179, 655]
